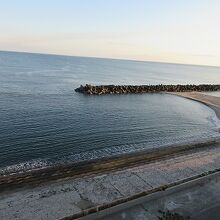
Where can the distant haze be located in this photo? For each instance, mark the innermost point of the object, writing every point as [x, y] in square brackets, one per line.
[183, 31]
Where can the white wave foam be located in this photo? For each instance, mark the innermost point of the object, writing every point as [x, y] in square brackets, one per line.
[24, 167]
[125, 149]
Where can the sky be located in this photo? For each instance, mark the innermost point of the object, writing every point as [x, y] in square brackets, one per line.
[174, 31]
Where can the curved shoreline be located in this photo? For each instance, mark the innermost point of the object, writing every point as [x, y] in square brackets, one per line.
[73, 170]
[212, 102]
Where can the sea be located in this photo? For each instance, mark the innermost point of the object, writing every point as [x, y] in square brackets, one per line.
[44, 122]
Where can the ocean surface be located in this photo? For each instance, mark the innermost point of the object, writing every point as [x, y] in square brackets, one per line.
[44, 122]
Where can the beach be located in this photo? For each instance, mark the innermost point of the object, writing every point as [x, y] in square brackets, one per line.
[88, 188]
[45, 123]
[110, 164]
[109, 110]
[211, 101]
[65, 154]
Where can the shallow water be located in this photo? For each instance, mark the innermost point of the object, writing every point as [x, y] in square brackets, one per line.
[43, 121]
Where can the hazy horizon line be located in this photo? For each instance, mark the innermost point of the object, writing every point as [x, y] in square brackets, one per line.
[109, 58]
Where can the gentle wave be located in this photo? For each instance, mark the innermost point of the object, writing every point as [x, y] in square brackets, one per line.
[44, 122]
[32, 165]
[24, 167]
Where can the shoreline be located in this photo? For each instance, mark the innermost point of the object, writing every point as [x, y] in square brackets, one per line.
[212, 102]
[72, 198]
[33, 178]
[109, 164]
[87, 189]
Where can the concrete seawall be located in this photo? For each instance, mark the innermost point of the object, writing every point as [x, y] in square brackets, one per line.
[36, 177]
[71, 198]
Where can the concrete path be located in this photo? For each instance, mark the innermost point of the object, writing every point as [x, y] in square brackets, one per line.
[70, 197]
[194, 200]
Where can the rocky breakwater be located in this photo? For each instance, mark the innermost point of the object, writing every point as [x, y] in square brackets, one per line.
[129, 89]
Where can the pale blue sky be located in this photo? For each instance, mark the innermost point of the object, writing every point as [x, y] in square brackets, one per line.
[185, 31]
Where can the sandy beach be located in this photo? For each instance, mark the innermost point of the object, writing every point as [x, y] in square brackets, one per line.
[211, 101]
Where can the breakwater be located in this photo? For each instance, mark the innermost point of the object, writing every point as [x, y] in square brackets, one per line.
[135, 89]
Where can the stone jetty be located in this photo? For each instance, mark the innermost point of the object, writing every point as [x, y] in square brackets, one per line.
[136, 89]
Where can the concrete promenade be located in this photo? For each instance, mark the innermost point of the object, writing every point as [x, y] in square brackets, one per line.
[79, 196]
[45, 196]
[198, 199]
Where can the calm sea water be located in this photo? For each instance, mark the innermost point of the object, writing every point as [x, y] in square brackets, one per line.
[44, 122]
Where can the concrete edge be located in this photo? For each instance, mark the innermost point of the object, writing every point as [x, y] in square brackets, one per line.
[34, 178]
[115, 206]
